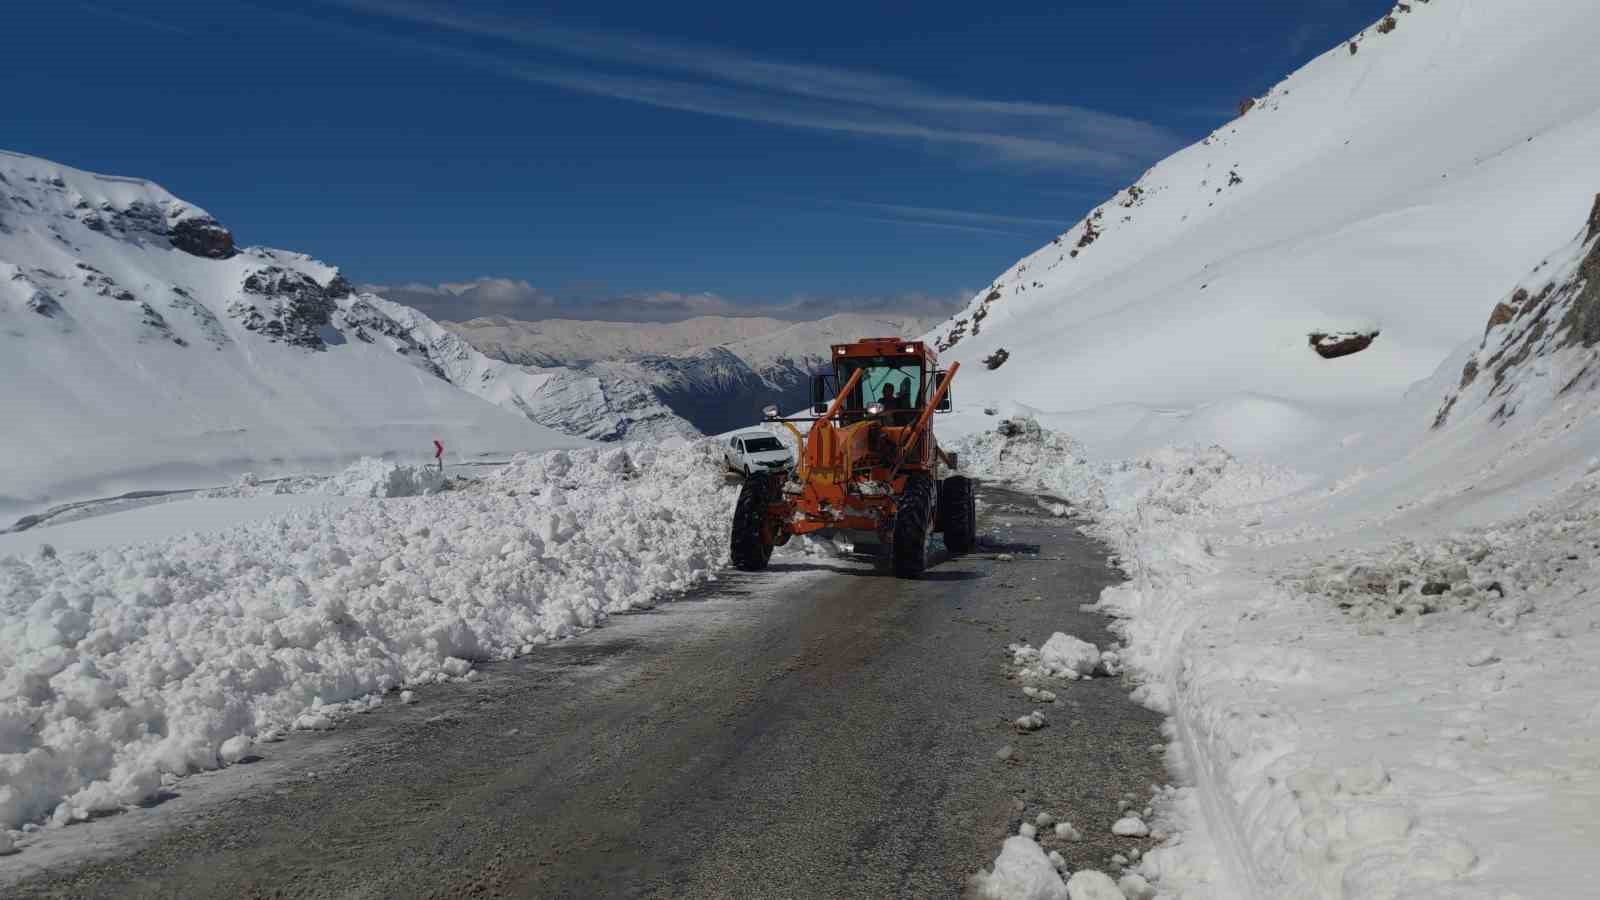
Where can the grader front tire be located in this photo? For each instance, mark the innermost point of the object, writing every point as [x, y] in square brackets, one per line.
[750, 549]
[912, 524]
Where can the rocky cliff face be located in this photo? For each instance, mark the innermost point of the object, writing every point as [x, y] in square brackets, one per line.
[1540, 341]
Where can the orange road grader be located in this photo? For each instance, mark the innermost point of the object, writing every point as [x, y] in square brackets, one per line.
[869, 464]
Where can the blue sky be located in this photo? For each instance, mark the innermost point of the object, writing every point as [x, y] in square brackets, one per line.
[647, 161]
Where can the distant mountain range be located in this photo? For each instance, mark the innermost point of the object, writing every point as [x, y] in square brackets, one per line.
[712, 374]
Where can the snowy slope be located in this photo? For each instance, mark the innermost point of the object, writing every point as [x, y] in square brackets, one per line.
[140, 348]
[1398, 189]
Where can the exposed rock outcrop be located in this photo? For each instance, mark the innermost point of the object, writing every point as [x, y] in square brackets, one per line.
[203, 236]
[284, 305]
[1556, 319]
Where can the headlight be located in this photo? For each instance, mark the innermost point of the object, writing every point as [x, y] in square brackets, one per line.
[875, 409]
[770, 410]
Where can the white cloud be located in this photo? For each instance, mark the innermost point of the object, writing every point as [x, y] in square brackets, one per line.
[822, 98]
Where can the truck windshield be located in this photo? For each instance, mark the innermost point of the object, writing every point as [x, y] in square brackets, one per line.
[904, 380]
[762, 445]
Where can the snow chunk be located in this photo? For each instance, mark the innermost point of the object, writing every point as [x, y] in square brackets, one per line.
[234, 749]
[1064, 653]
[1091, 885]
[1021, 872]
[1067, 832]
[1130, 826]
[1135, 887]
[1031, 722]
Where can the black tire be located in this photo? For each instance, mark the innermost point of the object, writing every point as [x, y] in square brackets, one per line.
[750, 551]
[913, 523]
[958, 512]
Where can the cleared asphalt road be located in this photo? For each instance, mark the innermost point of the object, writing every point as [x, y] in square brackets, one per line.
[818, 730]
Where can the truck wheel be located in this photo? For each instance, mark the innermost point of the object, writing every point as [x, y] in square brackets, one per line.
[958, 510]
[913, 523]
[750, 550]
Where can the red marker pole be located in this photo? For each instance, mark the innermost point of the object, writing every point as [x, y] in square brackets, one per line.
[438, 455]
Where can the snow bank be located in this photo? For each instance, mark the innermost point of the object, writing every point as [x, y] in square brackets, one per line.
[124, 666]
[1357, 713]
[371, 477]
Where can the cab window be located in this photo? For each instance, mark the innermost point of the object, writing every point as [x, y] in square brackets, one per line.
[903, 379]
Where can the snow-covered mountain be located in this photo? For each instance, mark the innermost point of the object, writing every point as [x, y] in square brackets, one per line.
[714, 372]
[1394, 187]
[139, 348]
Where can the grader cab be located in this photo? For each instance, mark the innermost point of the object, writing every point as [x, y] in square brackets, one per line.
[869, 464]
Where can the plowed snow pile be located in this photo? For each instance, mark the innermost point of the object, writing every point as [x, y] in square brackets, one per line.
[122, 668]
[1352, 717]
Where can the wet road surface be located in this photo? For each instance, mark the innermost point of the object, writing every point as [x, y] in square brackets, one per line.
[817, 730]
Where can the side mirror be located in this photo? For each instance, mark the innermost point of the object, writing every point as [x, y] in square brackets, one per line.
[948, 403]
[819, 394]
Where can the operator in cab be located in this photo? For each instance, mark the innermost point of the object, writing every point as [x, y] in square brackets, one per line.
[889, 399]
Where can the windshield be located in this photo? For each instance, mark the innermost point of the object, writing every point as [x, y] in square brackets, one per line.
[762, 444]
[903, 381]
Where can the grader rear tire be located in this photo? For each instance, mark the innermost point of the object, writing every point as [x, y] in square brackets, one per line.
[750, 550]
[958, 514]
[913, 522]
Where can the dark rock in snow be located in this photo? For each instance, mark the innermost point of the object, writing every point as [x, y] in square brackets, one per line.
[340, 287]
[997, 359]
[203, 236]
[1333, 346]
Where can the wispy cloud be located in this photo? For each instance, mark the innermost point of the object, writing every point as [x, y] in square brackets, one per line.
[937, 214]
[132, 18]
[717, 82]
[946, 226]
